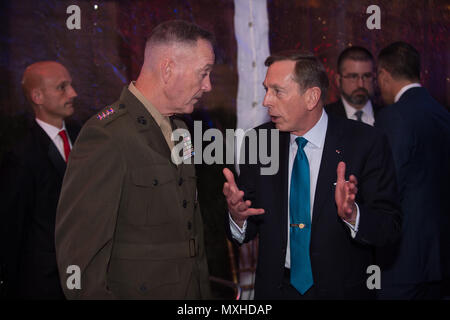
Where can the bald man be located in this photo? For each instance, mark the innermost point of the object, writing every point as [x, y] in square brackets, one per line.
[31, 178]
[128, 223]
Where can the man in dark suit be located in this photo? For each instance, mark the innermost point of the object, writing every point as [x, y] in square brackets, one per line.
[128, 216]
[418, 130]
[31, 178]
[316, 230]
[355, 81]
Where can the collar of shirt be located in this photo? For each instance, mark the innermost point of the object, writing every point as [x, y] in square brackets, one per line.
[404, 89]
[315, 135]
[147, 104]
[350, 111]
[50, 130]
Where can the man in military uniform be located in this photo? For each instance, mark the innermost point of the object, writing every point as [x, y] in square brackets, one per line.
[128, 216]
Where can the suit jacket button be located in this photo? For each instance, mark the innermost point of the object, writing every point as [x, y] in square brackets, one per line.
[184, 203]
[155, 182]
[180, 182]
[189, 225]
[143, 287]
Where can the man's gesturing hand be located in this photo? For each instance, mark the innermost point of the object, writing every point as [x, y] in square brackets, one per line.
[345, 194]
[239, 209]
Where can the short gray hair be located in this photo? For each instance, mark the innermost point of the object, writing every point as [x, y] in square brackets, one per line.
[179, 31]
[308, 72]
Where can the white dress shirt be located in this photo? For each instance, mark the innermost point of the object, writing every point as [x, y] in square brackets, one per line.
[367, 115]
[313, 150]
[53, 133]
[404, 89]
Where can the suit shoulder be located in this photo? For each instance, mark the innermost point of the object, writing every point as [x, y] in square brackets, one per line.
[333, 105]
[355, 128]
[267, 125]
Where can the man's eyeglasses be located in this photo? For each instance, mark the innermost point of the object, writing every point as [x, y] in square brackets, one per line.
[353, 77]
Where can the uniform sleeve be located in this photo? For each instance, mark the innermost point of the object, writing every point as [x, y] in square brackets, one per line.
[87, 213]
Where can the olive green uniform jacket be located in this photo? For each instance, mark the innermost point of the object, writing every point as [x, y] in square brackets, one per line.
[128, 217]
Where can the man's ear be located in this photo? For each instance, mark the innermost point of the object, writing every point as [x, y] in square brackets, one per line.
[167, 69]
[37, 96]
[312, 97]
[337, 79]
[384, 77]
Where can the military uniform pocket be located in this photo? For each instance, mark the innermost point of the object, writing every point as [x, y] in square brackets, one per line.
[142, 279]
[151, 195]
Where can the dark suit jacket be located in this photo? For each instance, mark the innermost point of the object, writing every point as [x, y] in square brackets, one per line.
[338, 261]
[418, 130]
[31, 177]
[337, 108]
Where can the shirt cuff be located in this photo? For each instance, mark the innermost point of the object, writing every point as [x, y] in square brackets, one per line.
[237, 232]
[354, 228]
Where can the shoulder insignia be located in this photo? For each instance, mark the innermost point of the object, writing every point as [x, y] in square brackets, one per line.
[105, 114]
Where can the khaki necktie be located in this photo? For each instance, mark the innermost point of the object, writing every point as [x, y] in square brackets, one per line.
[166, 129]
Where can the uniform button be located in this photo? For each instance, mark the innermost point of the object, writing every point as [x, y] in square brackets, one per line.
[141, 120]
[121, 106]
[184, 203]
[189, 225]
[143, 287]
[180, 182]
[155, 182]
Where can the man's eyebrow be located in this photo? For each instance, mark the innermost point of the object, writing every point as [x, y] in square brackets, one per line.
[208, 67]
[64, 82]
[274, 86]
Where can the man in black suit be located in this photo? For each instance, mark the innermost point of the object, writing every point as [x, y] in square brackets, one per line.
[344, 221]
[418, 130]
[31, 177]
[355, 81]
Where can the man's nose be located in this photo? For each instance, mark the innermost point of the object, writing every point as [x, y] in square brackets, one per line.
[360, 81]
[72, 93]
[206, 85]
[266, 101]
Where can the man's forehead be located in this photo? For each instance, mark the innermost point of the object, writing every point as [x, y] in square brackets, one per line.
[280, 71]
[350, 64]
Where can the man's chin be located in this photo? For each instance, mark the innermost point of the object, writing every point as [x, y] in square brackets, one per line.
[189, 109]
[360, 99]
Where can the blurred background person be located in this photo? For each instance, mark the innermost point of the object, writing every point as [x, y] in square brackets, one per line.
[418, 130]
[31, 177]
[355, 81]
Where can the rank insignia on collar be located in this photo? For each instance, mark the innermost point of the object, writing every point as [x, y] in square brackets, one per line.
[105, 114]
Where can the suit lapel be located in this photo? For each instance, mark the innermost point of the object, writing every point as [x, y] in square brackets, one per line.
[332, 154]
[50, 149]
[281, 179]
[340, 108]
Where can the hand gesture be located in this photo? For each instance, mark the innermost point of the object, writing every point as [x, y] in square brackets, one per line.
[239, 209]
[345, 195]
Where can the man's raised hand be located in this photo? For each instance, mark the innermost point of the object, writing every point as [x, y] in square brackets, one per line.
[345, 194]
[239, 209]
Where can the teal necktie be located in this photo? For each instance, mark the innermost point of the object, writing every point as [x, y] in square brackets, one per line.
[300, 221]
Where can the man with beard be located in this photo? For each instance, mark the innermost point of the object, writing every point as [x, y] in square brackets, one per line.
[355, 79]
[31, 176]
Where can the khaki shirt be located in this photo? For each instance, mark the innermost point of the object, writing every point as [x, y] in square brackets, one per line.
[162, 121]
